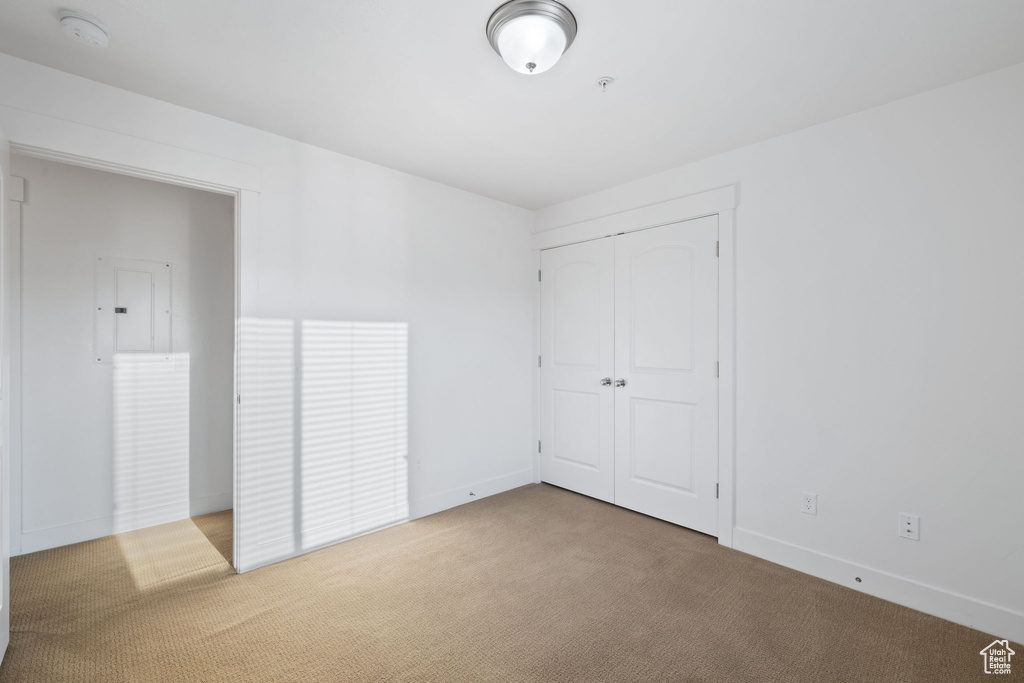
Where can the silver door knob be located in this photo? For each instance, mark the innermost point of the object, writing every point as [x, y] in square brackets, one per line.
[606, 382]
[620, 382]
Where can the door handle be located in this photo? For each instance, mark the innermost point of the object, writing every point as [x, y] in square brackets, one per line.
[606, 382]
[620, 382]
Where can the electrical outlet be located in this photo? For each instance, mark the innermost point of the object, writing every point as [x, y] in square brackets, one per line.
[910, 526]
[809, 503]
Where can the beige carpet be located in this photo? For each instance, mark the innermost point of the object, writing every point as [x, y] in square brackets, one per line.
[537, 584]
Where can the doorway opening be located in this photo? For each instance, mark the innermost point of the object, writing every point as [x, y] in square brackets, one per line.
[123, 347]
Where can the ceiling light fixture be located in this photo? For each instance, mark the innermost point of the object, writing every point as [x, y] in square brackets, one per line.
[531, 35]
[81, 27]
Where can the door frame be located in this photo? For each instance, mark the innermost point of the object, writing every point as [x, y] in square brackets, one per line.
[721, 202]
[43, 137]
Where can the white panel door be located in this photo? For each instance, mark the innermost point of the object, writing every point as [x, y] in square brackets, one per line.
[577, 335]
[666, 394]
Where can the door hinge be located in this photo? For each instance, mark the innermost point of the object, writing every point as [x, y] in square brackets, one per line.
[716, 490]
[238, 399]
[538, 276]
[716, 368]
[538, 361]
[538, 445]
[718, 247]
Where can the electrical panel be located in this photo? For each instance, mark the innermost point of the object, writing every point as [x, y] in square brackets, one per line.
[132, 307]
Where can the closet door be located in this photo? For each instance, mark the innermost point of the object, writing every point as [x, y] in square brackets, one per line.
[577, 334]
[666, 395]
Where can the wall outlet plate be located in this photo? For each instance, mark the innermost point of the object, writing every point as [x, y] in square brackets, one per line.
[910, 526]
[809, 503]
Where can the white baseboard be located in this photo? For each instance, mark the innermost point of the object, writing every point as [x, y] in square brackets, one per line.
[960, 609]
[91, 529]
[430, 505]
[207, 504]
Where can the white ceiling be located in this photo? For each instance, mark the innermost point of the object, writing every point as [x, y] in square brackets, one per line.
[414, 85]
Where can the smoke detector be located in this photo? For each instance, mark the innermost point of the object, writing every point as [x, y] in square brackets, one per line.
[80, 27]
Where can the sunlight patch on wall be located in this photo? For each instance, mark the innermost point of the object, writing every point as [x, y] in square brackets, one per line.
[151, 439]
[354, 428]
[273, 447]
[324, 421]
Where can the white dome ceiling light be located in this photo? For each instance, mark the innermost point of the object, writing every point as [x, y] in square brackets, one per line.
[80, 27]
[531, 35]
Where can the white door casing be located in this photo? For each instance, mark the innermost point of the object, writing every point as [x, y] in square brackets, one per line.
[666, 346]
[5, 391]
[577, 338]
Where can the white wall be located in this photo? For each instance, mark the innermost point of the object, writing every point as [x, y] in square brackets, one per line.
[880, 329]
[879, 318]
[340, 240]
[69, 478]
